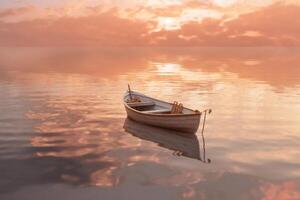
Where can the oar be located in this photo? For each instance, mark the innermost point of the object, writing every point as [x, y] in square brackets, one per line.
[129, 90]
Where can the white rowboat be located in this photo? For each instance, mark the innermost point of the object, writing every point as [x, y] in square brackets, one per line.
[158, 113]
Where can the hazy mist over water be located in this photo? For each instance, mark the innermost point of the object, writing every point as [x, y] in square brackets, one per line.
[62, 119]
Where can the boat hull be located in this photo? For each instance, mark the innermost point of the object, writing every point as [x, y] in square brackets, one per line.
[183, 123]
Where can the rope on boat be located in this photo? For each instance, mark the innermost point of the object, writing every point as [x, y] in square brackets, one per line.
[202, 135]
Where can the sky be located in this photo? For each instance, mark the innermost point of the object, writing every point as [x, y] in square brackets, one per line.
[149, 23]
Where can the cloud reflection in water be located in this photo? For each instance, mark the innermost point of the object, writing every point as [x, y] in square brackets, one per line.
[63, 121]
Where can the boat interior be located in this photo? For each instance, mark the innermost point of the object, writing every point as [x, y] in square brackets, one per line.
[152, 106]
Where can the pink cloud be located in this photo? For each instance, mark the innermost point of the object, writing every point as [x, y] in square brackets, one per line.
[274, 25]
[16, 11]
[103, 29]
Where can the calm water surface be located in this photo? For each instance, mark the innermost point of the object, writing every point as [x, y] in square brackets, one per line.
[62, 124]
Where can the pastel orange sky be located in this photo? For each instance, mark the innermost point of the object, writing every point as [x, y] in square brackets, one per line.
[149, 23]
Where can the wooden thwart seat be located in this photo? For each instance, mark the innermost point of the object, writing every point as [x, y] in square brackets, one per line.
[177, 108]
[157, 111]
[141, 104]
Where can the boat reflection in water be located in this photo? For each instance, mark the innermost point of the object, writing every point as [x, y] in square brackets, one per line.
[182, 144]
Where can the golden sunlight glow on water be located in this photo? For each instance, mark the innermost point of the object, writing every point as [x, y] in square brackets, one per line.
[63, 123]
